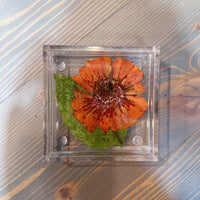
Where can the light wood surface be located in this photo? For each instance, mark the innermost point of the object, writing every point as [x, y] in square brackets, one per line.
[26, 25]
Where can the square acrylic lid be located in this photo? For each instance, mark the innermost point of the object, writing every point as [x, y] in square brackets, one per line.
[141, 141]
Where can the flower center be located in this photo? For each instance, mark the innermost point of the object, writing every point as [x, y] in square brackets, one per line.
[107, 91]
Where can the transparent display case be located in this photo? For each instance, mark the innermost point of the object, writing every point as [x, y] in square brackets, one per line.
[141, 141]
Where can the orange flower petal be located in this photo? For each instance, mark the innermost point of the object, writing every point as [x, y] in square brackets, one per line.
[106, 121]
[78, 93]
[80, 104]
[100, 68]
[116, 67]
[133, 110]
[92, 70]
[134, 76]
[126, 117]
[122, 118]
[125, 69]
[122, 67]
[106, 65]
[85, 110]
[80, 99]
[97, 66]
[87, 76]
[135, 89]
[139, 101]
[92, 118]
[118, 119]
[80, 115]
[89, 116]
[79, 80]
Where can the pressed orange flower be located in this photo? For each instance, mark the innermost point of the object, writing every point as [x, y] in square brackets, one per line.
[110, 101]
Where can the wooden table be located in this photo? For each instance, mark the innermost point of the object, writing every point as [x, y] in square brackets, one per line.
[27, 25]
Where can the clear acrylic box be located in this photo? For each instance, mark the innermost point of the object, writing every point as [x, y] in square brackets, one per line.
[141, 141]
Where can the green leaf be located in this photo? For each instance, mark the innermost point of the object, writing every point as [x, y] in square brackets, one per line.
[98, 139]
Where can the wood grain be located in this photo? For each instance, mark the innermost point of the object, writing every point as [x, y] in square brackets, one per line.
[25, 26]
[22, 185]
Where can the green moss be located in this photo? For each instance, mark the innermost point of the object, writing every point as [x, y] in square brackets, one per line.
[98, 139]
